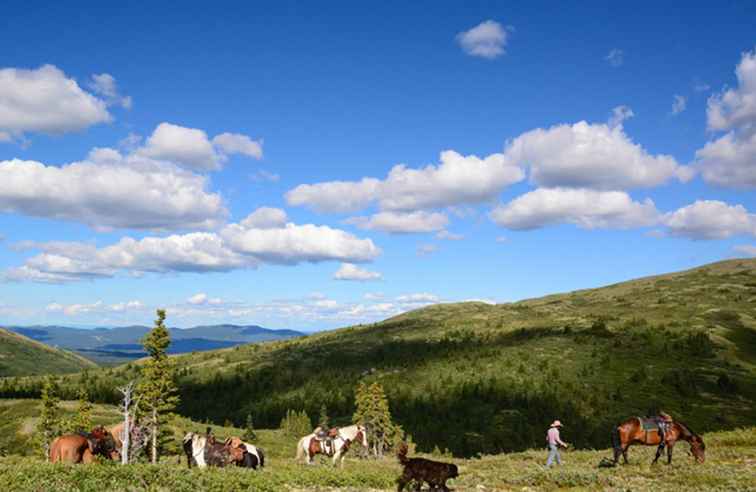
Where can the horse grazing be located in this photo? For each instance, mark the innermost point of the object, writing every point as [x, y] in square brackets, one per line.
[636, 430]
[252, 457]
[205, 451]
[310, 445]
[138, 437]
[83, 447]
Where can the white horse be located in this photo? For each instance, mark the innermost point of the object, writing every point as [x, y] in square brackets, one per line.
[309, 445]
[194, 447]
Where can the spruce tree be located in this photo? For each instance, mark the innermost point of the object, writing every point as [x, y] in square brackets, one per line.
[372, 411]
[49, 416]
[324, 421]
[82, 419]
[157, 388]
[249, 430]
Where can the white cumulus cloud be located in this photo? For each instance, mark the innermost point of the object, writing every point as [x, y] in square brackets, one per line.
[589, 209]
[110, 191]
[105, 85]
[595, 156]
[350, 271]
[235, 247]
[456, 180]
[711, 219]
[486, 40]
[46, 100]
[402, 222]
[191, 147]
[730, 160]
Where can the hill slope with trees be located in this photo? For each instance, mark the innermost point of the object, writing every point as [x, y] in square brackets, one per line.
[20, 355]
[478, 378]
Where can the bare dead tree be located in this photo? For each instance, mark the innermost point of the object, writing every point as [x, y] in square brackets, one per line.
[129, 404]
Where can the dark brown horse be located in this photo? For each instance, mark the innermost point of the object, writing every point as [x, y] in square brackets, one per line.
[633, 431]
[82, 448]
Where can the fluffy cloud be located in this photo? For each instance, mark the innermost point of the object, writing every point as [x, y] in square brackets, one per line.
[350, 271]
[711, 219]
[197, 299]
[589, 209]
[105, 85]
[45, 100]
[595, 156]
[486, 40]
[236, 247]
[736, 108]
[265, 218]
[191, 147]
[187, 146]
[616, 57]
[291, 244]
[235, 143]
[98, 307]
[110, 191]
[455, 180]
[730, 160]
[402, 222]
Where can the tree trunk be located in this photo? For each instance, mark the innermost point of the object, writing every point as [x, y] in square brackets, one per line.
[154, 436]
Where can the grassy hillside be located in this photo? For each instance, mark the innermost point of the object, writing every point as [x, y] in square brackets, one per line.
[20, 355]
[477, 378]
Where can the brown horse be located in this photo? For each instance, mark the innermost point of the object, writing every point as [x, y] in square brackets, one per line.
[82, 448]
[633, 431]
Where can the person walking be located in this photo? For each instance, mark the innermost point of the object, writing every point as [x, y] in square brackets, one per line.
[554, 442]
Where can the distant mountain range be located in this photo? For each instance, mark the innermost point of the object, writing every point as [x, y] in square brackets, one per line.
[120, 344]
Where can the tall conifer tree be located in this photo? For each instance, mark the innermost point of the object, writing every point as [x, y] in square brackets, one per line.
[157, 388]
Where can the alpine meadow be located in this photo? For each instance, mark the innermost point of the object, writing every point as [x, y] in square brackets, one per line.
[438, 245]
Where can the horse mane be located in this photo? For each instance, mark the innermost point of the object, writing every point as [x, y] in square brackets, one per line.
[686, 428]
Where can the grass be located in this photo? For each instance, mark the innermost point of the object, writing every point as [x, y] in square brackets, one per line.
[731, 457]
[22, 356]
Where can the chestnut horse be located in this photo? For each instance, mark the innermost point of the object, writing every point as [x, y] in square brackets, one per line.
[82, 448]
[631, 431]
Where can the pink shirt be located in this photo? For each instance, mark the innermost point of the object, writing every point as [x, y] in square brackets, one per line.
[552, 436]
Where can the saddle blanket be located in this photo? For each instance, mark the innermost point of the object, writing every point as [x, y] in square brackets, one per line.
[649, 425]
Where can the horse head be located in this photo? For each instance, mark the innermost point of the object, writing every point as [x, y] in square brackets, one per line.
[100, 441]
[234, 449]
[698, 448]
[361, 435]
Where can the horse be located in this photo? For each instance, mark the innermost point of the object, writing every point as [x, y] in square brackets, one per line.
[138, 438]
[632, 431]
[253, 456]
[82, 448]
[205, 451]
[309, 445]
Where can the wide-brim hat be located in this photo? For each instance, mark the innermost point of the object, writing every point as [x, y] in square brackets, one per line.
[556, 423]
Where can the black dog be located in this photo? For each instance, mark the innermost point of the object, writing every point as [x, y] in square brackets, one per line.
[421, 470]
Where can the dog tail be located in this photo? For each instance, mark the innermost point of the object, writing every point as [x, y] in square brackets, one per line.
[402, 453]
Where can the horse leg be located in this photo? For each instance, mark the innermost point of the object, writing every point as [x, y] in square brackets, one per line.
[624, 453]
[669, 453]
[659, 451]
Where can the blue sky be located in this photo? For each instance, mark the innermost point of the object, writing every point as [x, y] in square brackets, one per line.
[237, 163]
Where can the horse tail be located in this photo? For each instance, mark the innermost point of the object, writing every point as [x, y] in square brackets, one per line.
[188, 445]
[402, 454]
[616, 442]
[300, 448]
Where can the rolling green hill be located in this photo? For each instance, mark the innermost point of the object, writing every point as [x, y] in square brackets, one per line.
[20, 355]
[478, 378]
